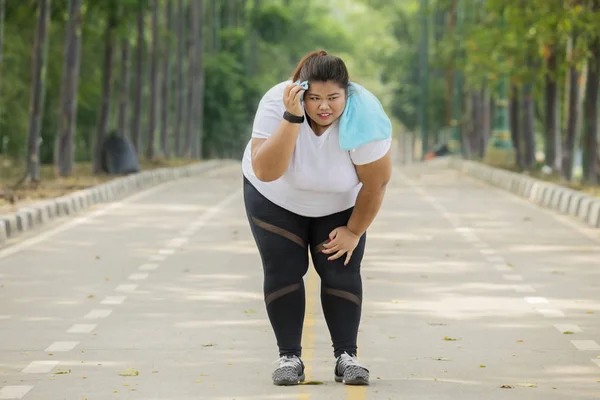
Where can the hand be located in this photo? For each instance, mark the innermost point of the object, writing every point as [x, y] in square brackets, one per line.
[341, 241]
[291, 99]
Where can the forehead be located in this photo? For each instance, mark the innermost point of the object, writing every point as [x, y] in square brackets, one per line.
[324, 88]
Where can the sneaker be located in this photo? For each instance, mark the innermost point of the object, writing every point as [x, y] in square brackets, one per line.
[290, 371]
[349, 371]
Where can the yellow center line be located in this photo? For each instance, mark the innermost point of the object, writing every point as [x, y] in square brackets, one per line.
[308, 335]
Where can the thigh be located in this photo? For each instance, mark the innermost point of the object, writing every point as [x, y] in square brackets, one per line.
[281, 236]
[334, 273]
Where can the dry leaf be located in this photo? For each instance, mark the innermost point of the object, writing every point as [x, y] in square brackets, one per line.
[449, 339]
[529, 385]
[482, 366]
[442, 359]
[68, 371]
[507, 387]
[129, 372]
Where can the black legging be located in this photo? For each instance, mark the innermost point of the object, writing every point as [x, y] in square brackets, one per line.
[283, 238]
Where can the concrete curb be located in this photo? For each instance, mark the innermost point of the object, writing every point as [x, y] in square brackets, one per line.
[545, 194]
[36, 215]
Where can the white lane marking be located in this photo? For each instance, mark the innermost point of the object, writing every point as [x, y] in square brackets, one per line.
[39, 367]
[82, 328]
[562, 328]
[177, 242]
[137, 277]
[536, 300]
[97, 314]
[481, 245]
[129, 287]
[5, 317]
[524, 289]
[113, 300]
[78, 221]
[502, 267]
[14, 392]
[463, 229]
[585, 345]
[148, 267]
[513, 277]
[487, 252]
[61, 346]
[496, 259]
[551, 313]
[472, 239]
[166, 252]
[158, 257]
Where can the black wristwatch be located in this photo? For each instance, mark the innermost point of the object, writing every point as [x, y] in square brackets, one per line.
[294, 119]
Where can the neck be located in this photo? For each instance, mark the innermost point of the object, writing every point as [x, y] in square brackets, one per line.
[317, 129]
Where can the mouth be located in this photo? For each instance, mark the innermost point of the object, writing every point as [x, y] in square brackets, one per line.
[324, 115]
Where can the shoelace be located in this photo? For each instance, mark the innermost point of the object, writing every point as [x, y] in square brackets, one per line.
[347, 360]
[288, 362]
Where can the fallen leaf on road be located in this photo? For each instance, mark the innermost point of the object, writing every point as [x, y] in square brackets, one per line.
[155, 372]
[312, 383]
[509, 265]
[442, 359]
[519, 341]
[129, 372]
[482, 366]
[590, 312]
[91, 296]
[249, 311]
[68, 371]
[568, 333]
[507, 387]
[198, 381]
[529, 385]
[449, 339]
[209, 345]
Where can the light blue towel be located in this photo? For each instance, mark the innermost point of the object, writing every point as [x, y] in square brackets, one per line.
[364, 120]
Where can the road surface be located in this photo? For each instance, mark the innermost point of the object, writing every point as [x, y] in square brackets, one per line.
[470, 293]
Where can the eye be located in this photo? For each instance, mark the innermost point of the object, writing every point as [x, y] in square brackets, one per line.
[333, 98]
[313, 98]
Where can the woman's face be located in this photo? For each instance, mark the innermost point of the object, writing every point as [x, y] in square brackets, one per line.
[324, 102]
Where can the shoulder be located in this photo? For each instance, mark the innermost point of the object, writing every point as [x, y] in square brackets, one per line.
[371, 152]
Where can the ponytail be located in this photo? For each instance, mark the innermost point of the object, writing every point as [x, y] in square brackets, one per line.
[302, 62]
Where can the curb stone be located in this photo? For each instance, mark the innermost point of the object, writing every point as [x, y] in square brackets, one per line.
[548, 195]
[38, 214]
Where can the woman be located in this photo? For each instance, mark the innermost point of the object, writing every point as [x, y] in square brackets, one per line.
[303, 192]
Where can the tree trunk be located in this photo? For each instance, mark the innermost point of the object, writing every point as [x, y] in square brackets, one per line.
[573, 117]
[192, 81]
[552, 124]
[487, 102]
[181, 90]
[528, 126]
[590, 158]
[199, 91]
[514, 125]
[38, 90]
[153, 82]
[65, 139]
[138, 80]
[123, 129]
[166, 81]
[2, 17]
[107, 85]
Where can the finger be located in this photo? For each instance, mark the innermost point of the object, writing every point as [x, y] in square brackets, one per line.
[298, 94]
[286, 91]
[337, 255]
[333, 234]
[331, 250]
[348, 256]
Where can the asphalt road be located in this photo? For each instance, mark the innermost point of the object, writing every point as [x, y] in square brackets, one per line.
[470, 293]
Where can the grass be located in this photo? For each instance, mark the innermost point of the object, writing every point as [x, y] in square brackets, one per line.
[52, 186]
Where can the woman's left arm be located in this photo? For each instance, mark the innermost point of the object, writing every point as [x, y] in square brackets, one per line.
[374, 178]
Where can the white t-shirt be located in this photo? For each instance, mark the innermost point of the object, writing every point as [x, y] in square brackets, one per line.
[321, 178]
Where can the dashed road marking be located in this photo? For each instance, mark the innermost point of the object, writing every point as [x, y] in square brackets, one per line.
[137, 277]
[148, 267]
[61, 346]
[536, 300]
[524, 289]
[513, 277]
[551, 313]
[39, 367]
[82, 328]
[129, 287]
[14, 392]
[586, 345]
[113, 300]
[562, 328]
[158, 257]
[97, 314]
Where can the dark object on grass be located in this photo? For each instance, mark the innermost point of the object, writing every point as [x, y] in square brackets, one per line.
[119, 156]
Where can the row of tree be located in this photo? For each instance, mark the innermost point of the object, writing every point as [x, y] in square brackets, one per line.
[545, 54]
[178, 78]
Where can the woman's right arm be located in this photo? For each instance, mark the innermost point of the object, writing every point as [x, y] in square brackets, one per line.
[271, 157]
